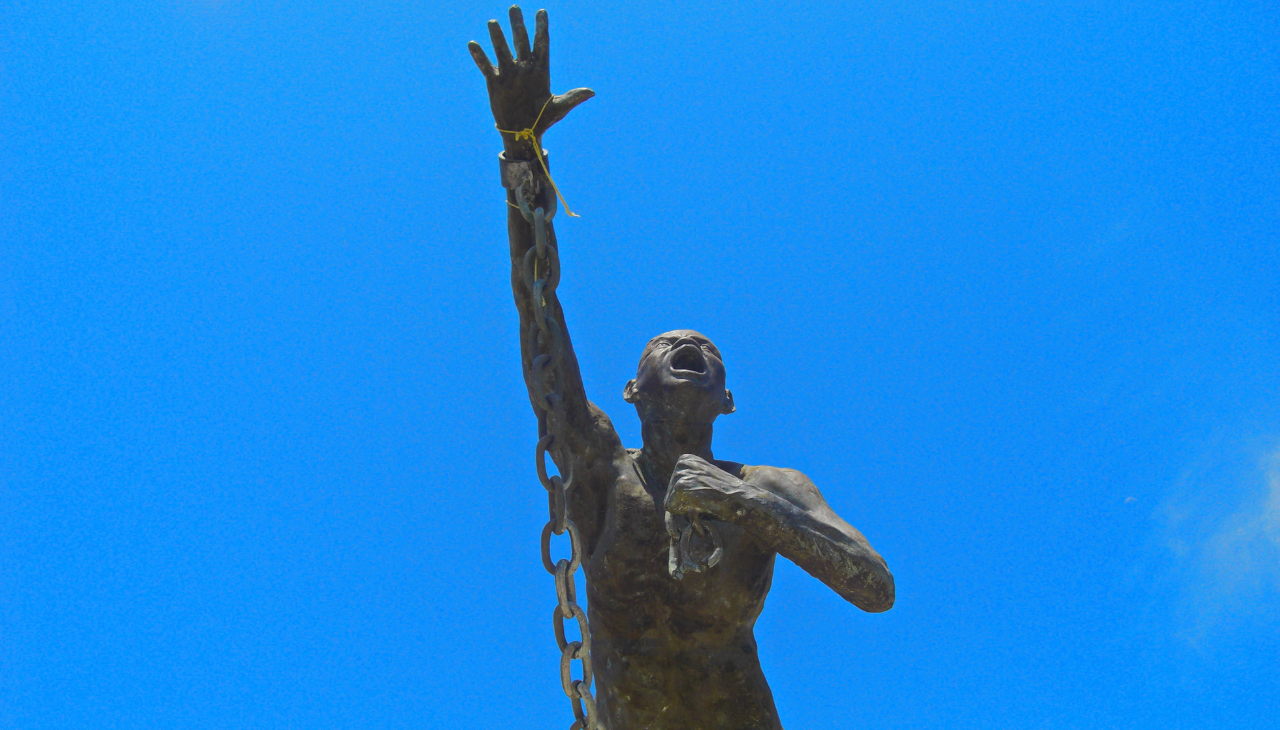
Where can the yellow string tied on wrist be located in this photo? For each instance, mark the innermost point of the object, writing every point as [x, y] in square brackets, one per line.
[537, 150]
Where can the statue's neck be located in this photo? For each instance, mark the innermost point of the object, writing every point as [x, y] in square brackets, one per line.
[666, 441]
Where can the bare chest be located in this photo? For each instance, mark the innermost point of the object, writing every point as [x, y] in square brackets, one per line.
[635, 602]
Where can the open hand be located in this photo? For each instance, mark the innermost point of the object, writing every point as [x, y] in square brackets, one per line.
[520, 87]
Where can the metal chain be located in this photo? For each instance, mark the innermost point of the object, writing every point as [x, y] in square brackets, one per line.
[542, 275]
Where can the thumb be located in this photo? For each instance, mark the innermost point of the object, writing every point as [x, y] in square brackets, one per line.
[562, 104]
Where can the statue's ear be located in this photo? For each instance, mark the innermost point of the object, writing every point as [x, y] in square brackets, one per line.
[729, 407]
[629, 393]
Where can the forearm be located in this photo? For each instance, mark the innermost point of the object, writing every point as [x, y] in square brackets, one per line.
[560, 375]
[837, 555]
[525, 176]
[534, 343]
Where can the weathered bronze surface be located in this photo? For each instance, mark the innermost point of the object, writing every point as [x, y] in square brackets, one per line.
[679, 545]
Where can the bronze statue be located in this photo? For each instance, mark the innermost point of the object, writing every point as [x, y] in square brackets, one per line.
[678, 545]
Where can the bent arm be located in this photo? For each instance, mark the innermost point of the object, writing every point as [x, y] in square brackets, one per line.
[784, 511]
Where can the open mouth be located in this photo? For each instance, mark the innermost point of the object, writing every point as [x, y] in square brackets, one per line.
[689, 359]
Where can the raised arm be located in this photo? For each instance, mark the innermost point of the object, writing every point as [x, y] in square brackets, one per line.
[783, 510]
[521, 99]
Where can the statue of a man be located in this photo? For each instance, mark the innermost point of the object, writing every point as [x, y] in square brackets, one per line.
[671, 629]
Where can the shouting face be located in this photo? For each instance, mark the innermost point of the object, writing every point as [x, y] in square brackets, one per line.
[680, 378]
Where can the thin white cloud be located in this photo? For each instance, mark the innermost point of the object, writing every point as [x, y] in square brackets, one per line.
[1223, 532]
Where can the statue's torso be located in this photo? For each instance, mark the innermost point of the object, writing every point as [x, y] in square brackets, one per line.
[671, 653]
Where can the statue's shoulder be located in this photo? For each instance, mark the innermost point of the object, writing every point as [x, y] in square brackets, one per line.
[789, 483]
[769, 474]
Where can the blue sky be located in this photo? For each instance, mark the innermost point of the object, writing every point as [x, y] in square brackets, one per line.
[999, 277]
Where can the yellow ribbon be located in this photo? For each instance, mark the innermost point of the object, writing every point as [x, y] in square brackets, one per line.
[537, 149]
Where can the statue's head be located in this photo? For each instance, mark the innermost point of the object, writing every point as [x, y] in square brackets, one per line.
[680, 379]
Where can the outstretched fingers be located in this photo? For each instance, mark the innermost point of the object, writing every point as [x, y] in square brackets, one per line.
[519, 36]
[482, 61]
[541, 43]
[500, 49]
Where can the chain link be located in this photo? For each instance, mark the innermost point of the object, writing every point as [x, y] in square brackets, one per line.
[541, 268]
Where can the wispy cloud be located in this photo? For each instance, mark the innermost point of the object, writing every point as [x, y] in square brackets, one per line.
[1222, 528]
